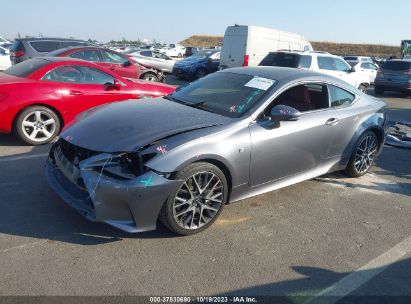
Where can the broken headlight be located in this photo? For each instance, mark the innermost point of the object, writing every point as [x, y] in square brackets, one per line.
[127, 165]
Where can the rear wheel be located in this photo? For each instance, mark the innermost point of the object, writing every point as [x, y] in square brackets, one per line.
[378, 90]
[199, 200]
[37, 125]
[150, 77]
[363, 155]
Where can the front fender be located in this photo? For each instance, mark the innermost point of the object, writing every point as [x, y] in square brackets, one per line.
[231, 148]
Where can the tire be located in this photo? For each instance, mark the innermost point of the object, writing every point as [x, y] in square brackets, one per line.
[37, 125]
[363, 154]
[196, 211]
[200, 73]
[363, 88]
[150, 77]
[378, 90]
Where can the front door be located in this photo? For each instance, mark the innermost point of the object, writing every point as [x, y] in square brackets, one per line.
[295, 146]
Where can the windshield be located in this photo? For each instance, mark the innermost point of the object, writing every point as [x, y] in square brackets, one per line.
[281, 60]
[224, 93]
[25, 68]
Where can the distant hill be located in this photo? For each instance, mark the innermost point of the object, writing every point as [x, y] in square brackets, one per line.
[331, 47]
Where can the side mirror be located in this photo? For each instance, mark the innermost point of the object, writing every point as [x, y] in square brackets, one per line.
[116, 85]
[352, 70]
[126, 63]
[284, 113]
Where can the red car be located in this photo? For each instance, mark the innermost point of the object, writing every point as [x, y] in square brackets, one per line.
[39, 96]
[120, 64]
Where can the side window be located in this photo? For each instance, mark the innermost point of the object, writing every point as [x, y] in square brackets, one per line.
[340, 65]
[305, 62]
[340, 97]
[146, 53]
[95, 76]
[113, 57]
[365, 66]
[45, 46]
[326, 63]
[78, 75]
[64, 74]
[307, 97]
[89, 55]
[2, 52]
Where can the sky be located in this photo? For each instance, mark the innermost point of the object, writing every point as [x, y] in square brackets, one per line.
[366, 21]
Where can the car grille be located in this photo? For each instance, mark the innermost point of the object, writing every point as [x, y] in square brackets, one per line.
[73, 153]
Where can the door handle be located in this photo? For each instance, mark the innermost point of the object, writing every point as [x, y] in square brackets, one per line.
[332, 122]
[75, 93]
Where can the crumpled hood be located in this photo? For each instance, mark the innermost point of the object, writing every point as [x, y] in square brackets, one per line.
[129, 125]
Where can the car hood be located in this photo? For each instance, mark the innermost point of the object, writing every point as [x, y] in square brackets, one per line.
[131, 125]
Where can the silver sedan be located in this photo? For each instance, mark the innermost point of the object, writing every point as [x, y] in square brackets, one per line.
[154, 59]
[231, 135]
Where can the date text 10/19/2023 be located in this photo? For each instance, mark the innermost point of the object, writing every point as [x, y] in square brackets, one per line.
[222, 299]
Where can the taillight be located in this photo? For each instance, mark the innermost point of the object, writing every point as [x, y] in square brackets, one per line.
[245, 61]
[17, 54]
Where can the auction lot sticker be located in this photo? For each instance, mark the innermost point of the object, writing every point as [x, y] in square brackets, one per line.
[260, 83]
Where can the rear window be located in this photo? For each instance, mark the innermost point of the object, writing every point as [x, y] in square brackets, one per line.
[281, 60]
[351, 58]
[66, 44]
[25, 68]
[45, 46]
[397, 65]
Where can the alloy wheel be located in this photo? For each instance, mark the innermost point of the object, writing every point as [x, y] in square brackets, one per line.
[198, 200]
[365, 154]
[38, 126]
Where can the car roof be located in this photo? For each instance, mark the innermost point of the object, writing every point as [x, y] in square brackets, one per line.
[44, 38]
[285, 75]
[59, 59]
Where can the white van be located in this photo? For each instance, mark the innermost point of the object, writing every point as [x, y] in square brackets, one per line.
[246, 45]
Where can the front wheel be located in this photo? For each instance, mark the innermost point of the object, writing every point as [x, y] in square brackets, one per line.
[363, 88]
[200, 73]
[150, 77]
[199, 200]
[37, 125]
[363, 155]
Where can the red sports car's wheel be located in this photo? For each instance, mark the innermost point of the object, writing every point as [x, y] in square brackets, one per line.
[37, 125]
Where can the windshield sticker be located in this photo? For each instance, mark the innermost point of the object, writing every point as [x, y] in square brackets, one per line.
[260, 83]
[234, 108]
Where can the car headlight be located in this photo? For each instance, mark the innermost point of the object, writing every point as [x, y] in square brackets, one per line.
[127, 165]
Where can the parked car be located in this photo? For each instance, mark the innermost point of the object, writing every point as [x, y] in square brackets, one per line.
[245, 45]
[197, 65]
[5, 62]
[394, 75]
[407, 57]
[26, 48]
[319, 62]
[353, 60]
[121, 64]
[175, 51]
[39, 96]
[191, 51]
[154, 59]
[4, 41]
[368, 69]
[228, 136]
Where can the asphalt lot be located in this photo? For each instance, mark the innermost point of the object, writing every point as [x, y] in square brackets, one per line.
[297, 241]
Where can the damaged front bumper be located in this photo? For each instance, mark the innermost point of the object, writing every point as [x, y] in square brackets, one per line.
[130, 205]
